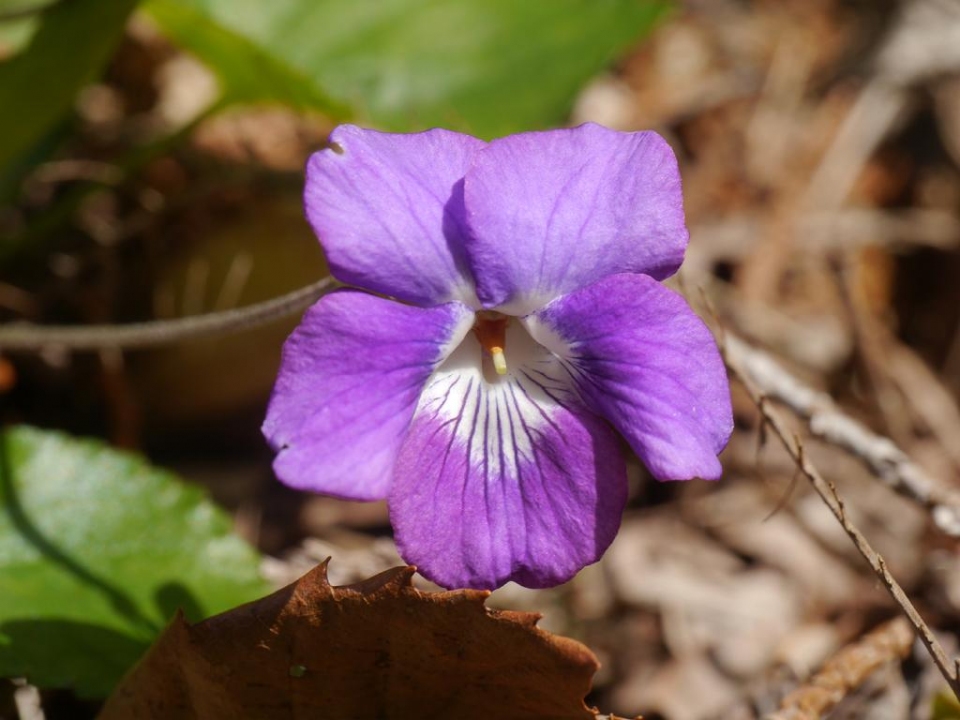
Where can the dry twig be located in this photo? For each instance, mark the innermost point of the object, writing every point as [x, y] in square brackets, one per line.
[827, 422]
[846, 671]
[738, 357]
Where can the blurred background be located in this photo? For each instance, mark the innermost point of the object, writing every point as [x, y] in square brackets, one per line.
[151, 159]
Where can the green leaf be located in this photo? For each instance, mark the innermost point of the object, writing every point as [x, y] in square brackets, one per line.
[97, 551]
[38, 85]
[247, 73]
[489, 67]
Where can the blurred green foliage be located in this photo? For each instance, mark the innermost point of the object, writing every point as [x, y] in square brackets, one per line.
[38, 85]
[247, 72]
[489, 67]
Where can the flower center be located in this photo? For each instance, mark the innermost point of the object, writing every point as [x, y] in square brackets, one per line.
[491, 331]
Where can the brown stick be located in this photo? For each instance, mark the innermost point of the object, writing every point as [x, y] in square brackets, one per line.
[828, 493]
[846, 671]
[827, 422]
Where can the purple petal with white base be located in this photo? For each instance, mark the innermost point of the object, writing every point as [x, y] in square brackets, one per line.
[511, 480]
[550, 212]
[349, 382]
[389, 211]
[641, 358]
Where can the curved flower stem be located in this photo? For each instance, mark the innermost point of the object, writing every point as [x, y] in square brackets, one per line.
[19, 336]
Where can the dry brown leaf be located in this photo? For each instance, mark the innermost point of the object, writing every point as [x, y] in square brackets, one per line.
[376, 649]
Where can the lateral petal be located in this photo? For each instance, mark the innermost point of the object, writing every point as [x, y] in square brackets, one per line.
[550, 212]
[505, 481]
[388, 209]
[348, 386]
[643, 359]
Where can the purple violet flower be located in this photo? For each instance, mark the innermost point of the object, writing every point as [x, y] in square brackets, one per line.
[526, 323]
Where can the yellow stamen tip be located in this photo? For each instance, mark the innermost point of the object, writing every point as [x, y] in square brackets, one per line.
[499, 360]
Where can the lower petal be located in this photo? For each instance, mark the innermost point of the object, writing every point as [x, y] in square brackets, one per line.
[507, 481]
[348, 386]
[643, 359]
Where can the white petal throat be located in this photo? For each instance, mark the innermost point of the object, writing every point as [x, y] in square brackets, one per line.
[497, 416]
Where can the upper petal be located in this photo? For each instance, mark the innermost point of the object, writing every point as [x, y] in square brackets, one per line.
[553, 211]
[647, 363]
[388, 209]
[348, 385]
[511, 480]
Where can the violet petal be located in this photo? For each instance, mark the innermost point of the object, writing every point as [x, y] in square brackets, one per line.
[388, 210]
[513, 481]
[550, 212]
[641, 358]
[348, 386]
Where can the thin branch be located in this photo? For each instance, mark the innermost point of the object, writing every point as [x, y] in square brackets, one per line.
[827, 422]
[21, 336]
[828, 493]
[846, 671]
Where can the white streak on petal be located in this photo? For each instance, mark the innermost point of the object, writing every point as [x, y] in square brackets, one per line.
[497, 416]
[505, 477]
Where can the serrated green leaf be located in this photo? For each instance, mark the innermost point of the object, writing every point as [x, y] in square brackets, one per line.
[97, 550]
[489, 67]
